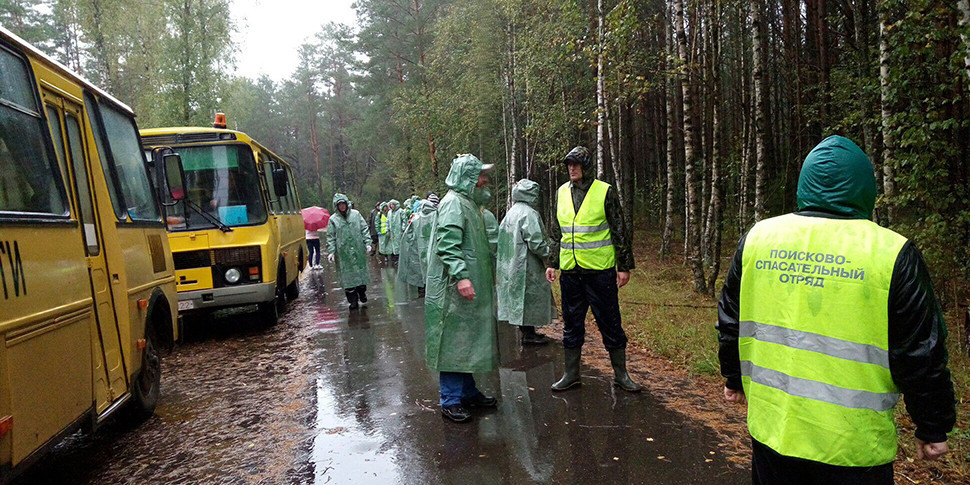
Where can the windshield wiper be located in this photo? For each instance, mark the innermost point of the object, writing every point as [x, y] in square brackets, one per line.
[214, 221]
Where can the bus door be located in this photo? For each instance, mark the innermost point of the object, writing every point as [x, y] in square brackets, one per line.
[110, 376]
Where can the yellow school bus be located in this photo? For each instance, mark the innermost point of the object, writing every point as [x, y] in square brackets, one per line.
[87, 287]
[237, 239]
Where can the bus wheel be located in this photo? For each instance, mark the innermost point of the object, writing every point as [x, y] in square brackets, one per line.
[146, 388]
[293, 290]
[281, 288]
[269, 313]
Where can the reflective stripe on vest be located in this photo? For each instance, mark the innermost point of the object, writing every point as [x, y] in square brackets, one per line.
[586, 237]
[814, 338]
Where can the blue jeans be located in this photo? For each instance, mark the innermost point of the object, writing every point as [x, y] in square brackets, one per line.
[456, 386]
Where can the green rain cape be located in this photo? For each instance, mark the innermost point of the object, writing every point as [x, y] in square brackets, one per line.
[395, 226]
[412, 267]
[460, 335]
[524, 295]
[347, 240]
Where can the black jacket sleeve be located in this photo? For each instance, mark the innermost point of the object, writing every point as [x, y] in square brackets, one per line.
[917, 349]
[555, 239]
[622, 244]
[728, 325]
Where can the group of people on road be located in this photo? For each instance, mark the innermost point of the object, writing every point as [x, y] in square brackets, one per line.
[476, 265]
[824, 320]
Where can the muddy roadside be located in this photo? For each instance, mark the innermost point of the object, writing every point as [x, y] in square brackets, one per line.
[237, 406]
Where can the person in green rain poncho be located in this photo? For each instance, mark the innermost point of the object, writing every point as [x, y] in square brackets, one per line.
[460, 329]
[412, 268]
[383, 235]
[348, 243]
[409, 209]
[395, 227]
[524, 295]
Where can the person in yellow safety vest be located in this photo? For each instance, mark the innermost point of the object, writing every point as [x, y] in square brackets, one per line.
[384, 236]
[591, 246]
[824, 320]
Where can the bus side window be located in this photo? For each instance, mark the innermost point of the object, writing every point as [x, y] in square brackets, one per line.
[81, 185]
[127, 160]
[275, 204]
[294, 199]
[287, 200]
[99, 142]
[54, 122]
[29, 181]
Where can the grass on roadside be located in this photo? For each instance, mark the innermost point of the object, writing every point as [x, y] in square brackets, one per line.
[664, 315]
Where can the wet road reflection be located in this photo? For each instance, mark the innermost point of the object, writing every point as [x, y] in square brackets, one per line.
[378, 420]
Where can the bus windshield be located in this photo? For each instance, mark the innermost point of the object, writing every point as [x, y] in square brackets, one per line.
[220, 180]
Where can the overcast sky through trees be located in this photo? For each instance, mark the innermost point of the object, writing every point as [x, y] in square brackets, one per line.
[271, 30]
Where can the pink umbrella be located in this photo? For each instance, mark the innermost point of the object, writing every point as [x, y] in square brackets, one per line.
[315, 218]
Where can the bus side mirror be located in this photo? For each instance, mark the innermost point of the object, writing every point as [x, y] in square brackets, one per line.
[279, 181]
[174, 176]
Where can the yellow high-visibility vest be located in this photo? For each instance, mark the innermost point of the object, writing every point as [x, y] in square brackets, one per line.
[586, 237]
[814, 338]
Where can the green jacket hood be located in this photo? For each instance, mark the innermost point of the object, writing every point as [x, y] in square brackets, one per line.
[338, 198]
[837, 177]
[526, 191]
[395, 203]
[384, 206]
[463, 175]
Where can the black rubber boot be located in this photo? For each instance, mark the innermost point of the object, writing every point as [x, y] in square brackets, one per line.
[362, 293]
[530, 337]
[620, 376]
[352, 299]
[570, 378]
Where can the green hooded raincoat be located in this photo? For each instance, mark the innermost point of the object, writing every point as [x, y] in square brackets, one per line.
[524, 295]
[460, 335]
[395, 226]
[347, 240]
[412, 267]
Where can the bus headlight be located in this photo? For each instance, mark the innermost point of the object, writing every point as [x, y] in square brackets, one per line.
[232, 276]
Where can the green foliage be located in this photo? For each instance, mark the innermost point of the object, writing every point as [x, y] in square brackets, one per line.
[930, 123]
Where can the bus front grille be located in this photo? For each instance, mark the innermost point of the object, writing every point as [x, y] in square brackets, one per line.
[244, 256]
[192, 259]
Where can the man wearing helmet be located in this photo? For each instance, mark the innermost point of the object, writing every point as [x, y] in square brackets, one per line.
[591, 247]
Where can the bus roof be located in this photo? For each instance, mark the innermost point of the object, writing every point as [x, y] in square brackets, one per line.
[35, 52]
[181, 130]
[171, 130]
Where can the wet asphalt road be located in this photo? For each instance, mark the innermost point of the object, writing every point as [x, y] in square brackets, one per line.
[338, 396]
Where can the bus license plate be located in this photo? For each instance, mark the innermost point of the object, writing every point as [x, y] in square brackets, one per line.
[186, 305]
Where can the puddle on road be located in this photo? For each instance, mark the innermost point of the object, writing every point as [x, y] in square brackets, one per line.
[378, 420]
[345, 453]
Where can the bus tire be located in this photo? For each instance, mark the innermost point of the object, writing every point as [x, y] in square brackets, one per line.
[281, 288]
[293, 290]
[146, 386]
[268, 313]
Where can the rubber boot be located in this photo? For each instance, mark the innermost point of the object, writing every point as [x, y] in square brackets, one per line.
[352, 299]
[620, 376]
[570, 378]
[530, 337]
